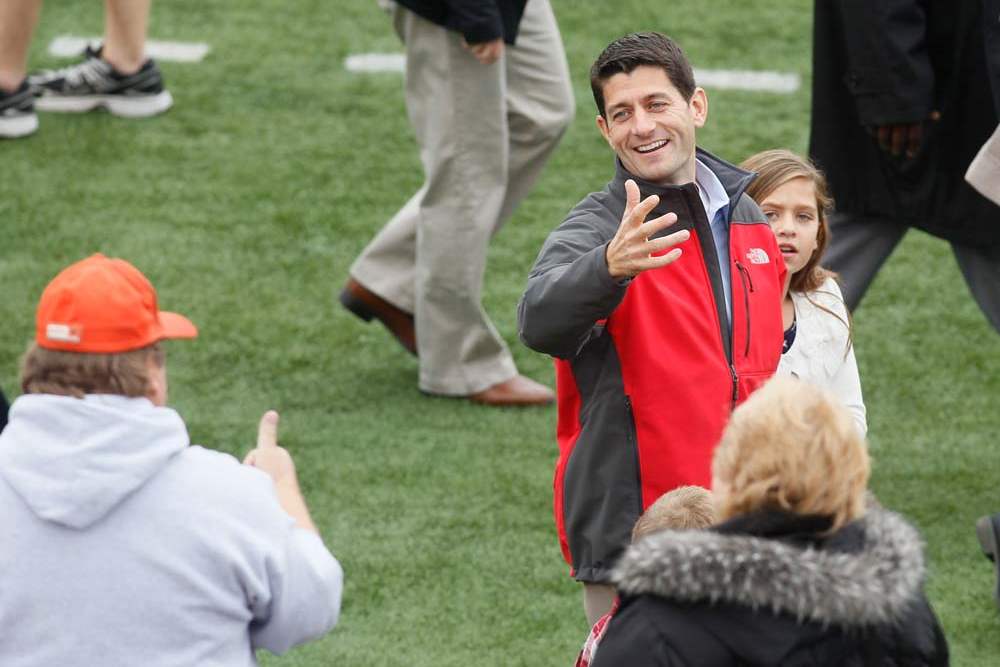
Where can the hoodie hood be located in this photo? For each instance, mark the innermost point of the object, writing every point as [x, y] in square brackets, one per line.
[871, 586]
[74, 460]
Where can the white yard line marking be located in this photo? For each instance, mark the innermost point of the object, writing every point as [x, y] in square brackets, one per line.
[70, 46]
[376, 62]
[755, 80]
[719, 79]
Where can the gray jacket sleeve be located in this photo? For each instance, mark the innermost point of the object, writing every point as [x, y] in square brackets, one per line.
[569, 288]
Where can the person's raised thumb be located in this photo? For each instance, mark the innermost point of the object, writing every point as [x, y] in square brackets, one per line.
[267, 432]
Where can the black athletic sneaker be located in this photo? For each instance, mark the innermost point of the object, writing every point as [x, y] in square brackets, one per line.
[988, 532]
[17, 112]
[94, 83]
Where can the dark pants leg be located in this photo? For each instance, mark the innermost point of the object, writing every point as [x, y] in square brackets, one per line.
[981, 269]
[858, 248]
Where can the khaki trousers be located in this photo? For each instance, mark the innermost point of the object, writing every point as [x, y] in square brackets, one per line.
[485, 132]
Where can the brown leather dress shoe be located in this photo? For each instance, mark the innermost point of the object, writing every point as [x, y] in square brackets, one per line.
[518, 391]
[366, 304]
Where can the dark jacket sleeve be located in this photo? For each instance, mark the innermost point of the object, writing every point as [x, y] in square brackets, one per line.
[478, 20]
[889, 72]
[569, 288]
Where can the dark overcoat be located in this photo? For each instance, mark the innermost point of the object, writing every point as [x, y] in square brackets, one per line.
[896, 62]
[772, 588]
[478, 20]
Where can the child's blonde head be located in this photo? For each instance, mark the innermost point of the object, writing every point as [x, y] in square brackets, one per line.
[684, 508]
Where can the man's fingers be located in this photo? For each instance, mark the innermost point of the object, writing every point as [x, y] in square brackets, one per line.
[486, 53]
[267, 432]
[637, 217]
[651, 227]
[883, 137]
[898, 139]
[631, 197]
[656, 245]
[648, 263]
[250, 458]
[914, 136]
[494, 52]
[483, 54]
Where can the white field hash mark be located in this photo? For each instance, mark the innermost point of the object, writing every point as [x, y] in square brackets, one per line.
[722, 79]
[70, 46]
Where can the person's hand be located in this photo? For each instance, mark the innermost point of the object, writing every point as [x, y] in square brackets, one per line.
[277, 462]
[486, 52]
[268, 456]
[631, 250]
[897, 138]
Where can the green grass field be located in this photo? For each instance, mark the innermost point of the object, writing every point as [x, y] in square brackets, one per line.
[245, 205]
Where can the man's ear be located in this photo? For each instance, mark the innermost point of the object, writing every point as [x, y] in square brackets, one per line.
[156, 382]
[699, 107]
[602, 125]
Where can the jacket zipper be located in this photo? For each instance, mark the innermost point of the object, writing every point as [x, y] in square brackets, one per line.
[736, 386]
[634, 441]
[747, 288]
[731, 352]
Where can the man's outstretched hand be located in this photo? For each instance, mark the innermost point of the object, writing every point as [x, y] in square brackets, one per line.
[631, 251]
[277, 462]
[268, 456]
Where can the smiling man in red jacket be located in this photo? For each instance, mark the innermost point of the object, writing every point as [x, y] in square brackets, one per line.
[659, 296]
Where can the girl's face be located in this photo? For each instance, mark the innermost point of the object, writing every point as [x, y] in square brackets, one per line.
[794, 218]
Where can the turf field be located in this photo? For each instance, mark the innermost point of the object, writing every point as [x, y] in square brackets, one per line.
[245, 205]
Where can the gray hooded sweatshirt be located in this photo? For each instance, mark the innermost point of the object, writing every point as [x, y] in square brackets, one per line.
[120, 544]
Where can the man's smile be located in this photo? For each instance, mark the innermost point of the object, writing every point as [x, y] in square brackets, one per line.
[652, 146]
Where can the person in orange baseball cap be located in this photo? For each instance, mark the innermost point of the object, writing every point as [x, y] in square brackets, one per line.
[103, 304]
[111, 504]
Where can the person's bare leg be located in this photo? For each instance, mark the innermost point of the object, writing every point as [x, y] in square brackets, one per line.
[18, 19]
[125, 26]
[597, 600]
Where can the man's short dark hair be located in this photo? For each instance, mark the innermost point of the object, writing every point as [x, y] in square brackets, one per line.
[642, 48]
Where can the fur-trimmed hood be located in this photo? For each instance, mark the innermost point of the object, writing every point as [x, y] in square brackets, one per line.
[872, 584]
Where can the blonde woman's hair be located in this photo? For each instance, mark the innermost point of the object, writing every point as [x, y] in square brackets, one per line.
[684, 508]
[76, 374]
[792, 447]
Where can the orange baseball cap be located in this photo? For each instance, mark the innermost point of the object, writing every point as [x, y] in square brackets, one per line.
[104, 305]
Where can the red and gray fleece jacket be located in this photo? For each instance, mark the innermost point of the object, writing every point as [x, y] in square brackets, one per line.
[647, 372]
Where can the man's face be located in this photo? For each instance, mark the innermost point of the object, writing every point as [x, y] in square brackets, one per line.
[651, 126]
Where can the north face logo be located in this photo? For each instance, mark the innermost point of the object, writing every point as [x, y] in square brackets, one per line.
[758, 256]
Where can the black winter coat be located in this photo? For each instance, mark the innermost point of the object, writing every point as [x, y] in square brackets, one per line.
[765, 589]
[894, 62]
[478, 20]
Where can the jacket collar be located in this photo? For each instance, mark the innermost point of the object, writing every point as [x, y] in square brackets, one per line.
[733, 179]
[866, 574]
